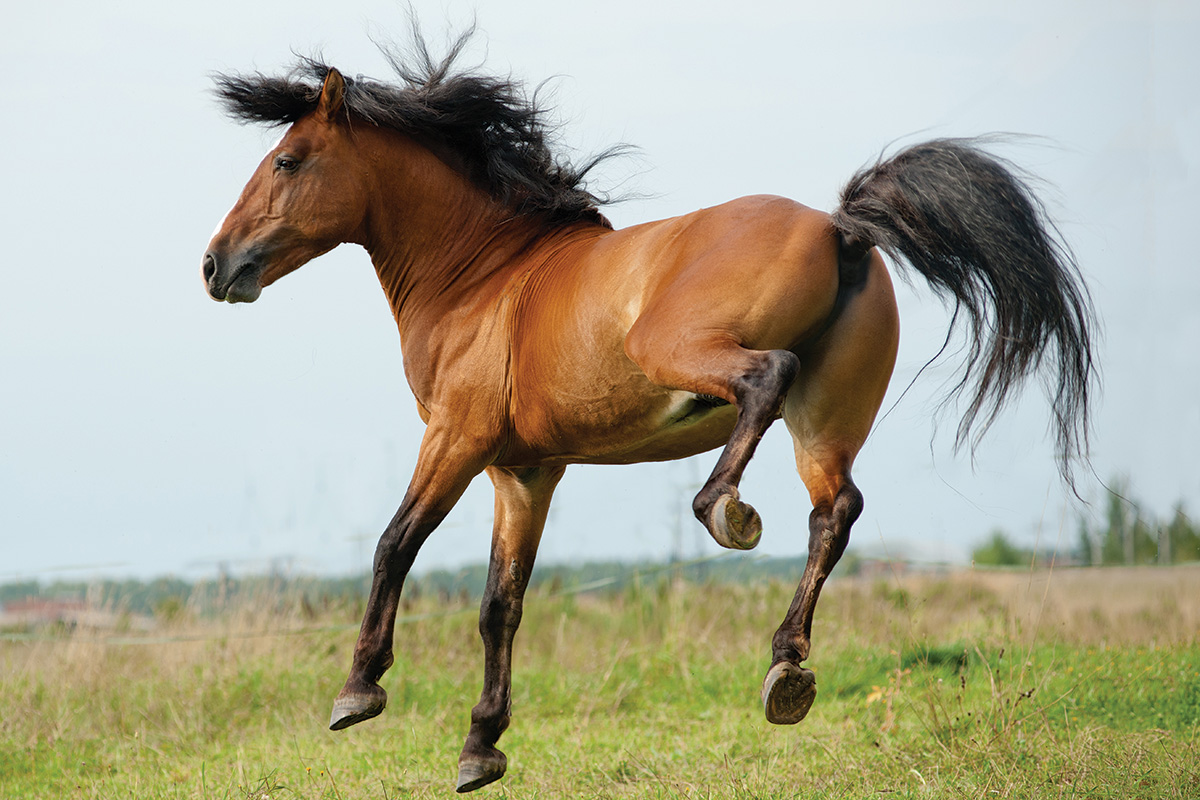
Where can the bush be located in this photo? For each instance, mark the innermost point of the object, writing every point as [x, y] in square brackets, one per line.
[998, 551]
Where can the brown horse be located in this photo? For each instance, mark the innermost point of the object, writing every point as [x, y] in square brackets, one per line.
[536, 336]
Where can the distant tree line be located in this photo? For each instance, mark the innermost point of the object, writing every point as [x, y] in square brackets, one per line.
[1131, 535]
[1128, 534]
[167, 598]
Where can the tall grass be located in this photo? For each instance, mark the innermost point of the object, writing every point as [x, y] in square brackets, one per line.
[1071, 684]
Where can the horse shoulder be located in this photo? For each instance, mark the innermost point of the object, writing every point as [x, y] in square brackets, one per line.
[456, 365]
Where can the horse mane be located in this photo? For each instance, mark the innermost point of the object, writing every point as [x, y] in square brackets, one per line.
[499, 133]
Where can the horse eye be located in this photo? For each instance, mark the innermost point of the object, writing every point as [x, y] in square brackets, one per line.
[286, 163]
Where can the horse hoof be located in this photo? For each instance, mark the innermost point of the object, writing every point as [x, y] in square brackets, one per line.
[788, 692]
[734, 524]
[476, 771]
[350, 708]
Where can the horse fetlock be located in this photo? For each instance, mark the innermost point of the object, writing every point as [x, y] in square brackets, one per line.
[380, 665]
[706, 498]
[790, 645]
[491, 717]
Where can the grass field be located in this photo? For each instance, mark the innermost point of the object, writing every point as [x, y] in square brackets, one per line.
[1025, 685]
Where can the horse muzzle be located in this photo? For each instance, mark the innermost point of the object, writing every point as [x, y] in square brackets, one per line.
[232, 280]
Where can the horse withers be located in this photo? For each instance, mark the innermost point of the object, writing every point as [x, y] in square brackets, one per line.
[535, 336]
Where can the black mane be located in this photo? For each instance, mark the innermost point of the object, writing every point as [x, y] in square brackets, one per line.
[499, 134]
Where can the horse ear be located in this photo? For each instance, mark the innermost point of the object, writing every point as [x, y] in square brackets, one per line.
[332, 93]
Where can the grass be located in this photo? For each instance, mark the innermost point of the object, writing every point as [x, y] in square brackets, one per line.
[1072, 684]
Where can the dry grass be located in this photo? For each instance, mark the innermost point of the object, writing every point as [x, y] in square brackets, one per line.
[978, 684]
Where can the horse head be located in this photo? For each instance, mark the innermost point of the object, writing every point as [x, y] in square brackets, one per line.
[304, 199]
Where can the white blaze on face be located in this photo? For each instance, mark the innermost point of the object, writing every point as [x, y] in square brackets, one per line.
[221, 224]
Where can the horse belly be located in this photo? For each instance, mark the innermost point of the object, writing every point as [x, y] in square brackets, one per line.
[687, 427]
[659, 425]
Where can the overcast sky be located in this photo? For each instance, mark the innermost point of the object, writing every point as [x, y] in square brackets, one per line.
[145, 429]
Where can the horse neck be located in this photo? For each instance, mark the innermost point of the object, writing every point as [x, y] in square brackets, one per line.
[434, 237]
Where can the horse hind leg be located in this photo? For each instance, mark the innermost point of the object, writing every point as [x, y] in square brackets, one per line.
[829, 413]
[759, 393]
[756, 381]
[789, 690]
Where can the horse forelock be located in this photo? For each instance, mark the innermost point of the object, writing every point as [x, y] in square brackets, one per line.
[499, 133]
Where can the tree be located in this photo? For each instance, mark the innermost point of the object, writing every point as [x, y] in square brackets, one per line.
[1184, 537]
[998, 551]
[1132, 536]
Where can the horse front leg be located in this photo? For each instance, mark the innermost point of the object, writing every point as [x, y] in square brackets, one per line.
[444, 469]
[522, 501]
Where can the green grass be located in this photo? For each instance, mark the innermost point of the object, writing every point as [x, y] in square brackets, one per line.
[1079, 684]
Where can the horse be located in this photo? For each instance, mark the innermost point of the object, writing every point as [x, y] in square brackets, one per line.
[534, 335]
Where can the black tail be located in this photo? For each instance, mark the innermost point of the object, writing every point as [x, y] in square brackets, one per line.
[974, 229]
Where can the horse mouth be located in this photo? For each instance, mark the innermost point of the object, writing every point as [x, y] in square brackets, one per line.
[243, 287]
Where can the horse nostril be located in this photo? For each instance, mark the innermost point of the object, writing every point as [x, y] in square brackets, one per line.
[210, 267]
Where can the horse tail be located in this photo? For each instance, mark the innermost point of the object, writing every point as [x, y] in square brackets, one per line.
[970, 224]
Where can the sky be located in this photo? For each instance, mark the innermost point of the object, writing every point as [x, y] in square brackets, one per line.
[147, 430]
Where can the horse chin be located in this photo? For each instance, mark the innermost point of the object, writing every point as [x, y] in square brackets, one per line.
[245, 289]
